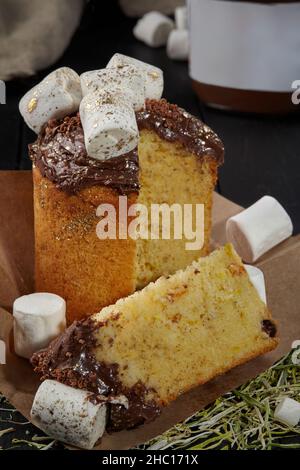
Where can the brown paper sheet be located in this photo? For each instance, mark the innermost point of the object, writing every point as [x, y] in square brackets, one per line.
[18, 383]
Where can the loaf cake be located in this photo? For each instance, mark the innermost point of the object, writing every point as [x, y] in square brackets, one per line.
[176, 162]
[175, 334]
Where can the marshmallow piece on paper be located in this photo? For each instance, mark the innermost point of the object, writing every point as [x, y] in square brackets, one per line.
[56, 96]
[128, 79]
[109, 124]
[181, 18]
[258, 280]
[67, 414]
[259, 228]
[153, 75]
[38, 319]
[153, 29]
[178, 45]
[288, 412]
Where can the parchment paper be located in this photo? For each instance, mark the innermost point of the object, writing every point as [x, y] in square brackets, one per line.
[18, 383]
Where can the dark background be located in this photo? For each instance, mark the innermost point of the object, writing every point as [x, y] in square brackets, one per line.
[262, 153]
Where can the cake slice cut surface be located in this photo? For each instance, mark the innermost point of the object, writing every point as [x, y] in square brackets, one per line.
[173, 335]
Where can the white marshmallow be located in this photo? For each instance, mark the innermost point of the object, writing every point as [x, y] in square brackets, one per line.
[2, 352]
[288, 412]
[296, 352]
[58, 95]
[178, 45]
[153, 29]
[38, 319]
[296, 357]
[154, 79]
[181, 19]
[109, 124]
[257, 278]
[128, 79]
[259, 228]
[67, 414]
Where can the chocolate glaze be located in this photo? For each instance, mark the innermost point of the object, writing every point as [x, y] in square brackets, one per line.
[174, 124]
[269, 327]
[60, 154]
[70, 360]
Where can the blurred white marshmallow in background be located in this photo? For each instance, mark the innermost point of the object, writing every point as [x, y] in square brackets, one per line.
[181, 18]
[178, 44]
[153, 29]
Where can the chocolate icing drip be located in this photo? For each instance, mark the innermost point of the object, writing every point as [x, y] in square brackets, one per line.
[174, 124]
[70, 360]
[60, 154]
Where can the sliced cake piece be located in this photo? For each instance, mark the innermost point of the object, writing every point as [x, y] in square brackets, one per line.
[176, 333]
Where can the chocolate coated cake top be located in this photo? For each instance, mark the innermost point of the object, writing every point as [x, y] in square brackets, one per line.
[174, 124]
[59, 151]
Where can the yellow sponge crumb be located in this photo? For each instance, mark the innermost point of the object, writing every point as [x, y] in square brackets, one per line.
[185, 329]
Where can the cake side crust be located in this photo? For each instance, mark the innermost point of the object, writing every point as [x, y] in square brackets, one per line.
[70, 259]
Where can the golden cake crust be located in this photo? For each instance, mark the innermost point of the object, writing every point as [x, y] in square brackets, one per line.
[70, 260]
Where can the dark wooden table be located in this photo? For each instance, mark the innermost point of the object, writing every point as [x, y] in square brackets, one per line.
[262, 153]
